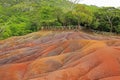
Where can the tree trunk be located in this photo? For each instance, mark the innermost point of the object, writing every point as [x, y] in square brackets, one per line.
[111, 25]
[78, 25]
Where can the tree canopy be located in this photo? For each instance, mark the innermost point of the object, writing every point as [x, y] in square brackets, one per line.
[20, 17]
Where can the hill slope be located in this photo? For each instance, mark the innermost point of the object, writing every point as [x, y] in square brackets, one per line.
[60, 56]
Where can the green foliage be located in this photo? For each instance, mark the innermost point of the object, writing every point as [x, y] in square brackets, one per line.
[19, 17]
[107, 19]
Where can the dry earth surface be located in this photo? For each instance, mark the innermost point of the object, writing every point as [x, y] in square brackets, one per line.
[51, 55]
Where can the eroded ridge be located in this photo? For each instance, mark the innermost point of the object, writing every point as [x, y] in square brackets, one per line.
[60, 56]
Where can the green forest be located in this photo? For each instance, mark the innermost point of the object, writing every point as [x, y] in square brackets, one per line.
[20, 17]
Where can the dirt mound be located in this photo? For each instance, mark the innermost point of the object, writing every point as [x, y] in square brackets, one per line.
[60, 56]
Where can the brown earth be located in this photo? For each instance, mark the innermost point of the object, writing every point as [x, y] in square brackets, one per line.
[60, 56]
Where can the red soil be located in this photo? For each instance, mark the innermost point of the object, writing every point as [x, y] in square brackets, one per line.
[63, 56]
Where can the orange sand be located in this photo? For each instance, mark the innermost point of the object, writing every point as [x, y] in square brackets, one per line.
[60, 56]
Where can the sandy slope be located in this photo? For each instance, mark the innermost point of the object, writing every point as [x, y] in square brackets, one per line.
[60, 56]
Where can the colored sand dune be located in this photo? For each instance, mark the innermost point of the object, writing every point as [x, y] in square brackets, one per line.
[60, 56]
